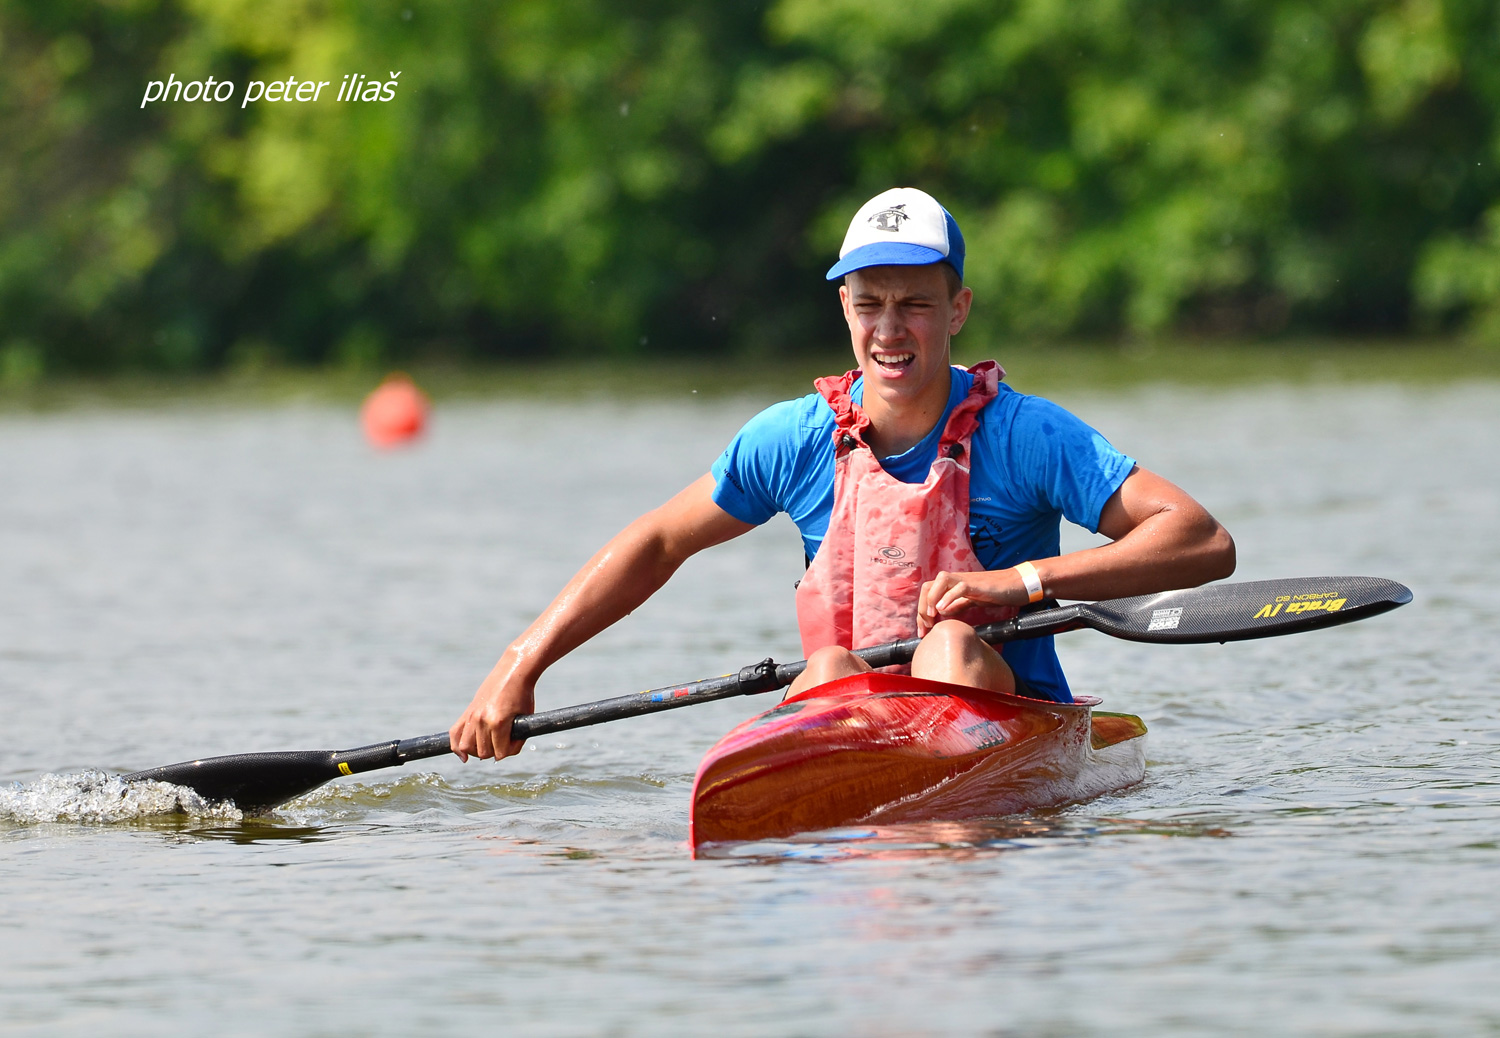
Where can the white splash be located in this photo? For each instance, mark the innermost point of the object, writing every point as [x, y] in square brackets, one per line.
[94, 796]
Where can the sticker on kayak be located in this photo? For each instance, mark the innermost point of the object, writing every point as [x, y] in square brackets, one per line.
[1165, 619]
[985, 734]
[1315, 602]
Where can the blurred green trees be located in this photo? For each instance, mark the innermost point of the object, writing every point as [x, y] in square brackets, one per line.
[622, 176]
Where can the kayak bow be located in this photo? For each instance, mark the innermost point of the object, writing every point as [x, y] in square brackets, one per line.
[884, 749]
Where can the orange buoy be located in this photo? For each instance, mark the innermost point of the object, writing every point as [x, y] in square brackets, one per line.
[395, 412]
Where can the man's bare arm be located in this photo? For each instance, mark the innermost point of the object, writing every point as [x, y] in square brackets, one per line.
[1161, 539]
[625, 572]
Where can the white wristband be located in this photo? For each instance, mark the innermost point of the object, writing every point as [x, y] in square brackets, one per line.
[1032, 581]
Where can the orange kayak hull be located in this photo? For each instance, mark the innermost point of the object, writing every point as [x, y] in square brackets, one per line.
[886, 749]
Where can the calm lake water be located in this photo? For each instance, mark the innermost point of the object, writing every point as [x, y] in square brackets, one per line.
[1315, 850]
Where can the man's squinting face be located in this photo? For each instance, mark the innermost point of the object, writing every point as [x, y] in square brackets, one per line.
[900, 320]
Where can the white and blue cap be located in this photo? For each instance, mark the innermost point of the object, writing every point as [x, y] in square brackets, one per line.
[902, 227]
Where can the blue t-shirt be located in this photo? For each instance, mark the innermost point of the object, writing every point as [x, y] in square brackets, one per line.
[1032, 464]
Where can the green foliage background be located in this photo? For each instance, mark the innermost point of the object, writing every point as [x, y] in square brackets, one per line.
[618, 177]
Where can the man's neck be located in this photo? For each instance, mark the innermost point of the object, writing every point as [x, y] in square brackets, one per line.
[897, 424]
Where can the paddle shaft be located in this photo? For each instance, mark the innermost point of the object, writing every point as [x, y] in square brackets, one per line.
[766, 676]
[1216, 613]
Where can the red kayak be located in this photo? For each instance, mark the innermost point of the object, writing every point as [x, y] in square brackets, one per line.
[884, 749]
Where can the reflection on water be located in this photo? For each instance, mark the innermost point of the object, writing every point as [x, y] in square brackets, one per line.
[197, 583]
[954, 840]
[252, 831]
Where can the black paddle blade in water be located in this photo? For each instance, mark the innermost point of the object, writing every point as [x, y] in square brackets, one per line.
[1229, 612]
[260, 781]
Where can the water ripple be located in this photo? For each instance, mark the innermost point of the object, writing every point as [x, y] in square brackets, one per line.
[94, 798]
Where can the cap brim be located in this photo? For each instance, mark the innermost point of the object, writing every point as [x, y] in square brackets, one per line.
[885, 254]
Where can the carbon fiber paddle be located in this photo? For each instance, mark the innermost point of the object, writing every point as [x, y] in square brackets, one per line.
[1216, 613]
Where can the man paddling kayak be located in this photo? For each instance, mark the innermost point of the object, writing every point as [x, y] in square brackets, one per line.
[928, 498]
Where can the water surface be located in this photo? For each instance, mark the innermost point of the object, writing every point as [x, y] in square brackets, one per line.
[1314, 849]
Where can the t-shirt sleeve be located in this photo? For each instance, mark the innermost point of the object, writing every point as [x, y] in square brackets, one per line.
[752, 474]
[1072, 468]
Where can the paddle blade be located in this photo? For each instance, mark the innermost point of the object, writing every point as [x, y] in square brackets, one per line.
[252, 781]
[1238, 612]
[260, 781]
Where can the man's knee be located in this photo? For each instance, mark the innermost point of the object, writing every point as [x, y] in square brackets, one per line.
[949, 638]
[828, 664]
[835, 661]
[955, 631]
[952, 652]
